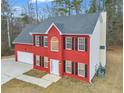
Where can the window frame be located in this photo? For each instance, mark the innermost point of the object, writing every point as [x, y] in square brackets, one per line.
[68, 61]
[51, 44]
[79, 69]
[67, 42]
[45, 40]
[38, 59]
[82, 45]
[37, 40]
[45, 61]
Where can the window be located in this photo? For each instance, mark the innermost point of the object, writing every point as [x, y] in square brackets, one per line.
[81, 43]
[68, 66]
[81, 69]
[37, 60]
[54, 44]
[45, 41]
[45, 62]
[37, 40]
[68, 43]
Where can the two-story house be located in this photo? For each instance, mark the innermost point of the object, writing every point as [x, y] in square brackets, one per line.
[72, 46]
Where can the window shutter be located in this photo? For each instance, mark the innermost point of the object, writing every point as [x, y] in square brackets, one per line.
[85, 70]
[64, 66]
[39, 40]
[85, 44]
[42, 41]
[76, 45]
[42, 61]
[64, 42]
[72, 67]
[76, 65]
[34, 60]
[34, 40]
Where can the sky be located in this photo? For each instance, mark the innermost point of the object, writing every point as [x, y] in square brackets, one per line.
[19, 5]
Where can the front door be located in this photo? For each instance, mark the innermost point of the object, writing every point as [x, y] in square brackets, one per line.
[54, 67]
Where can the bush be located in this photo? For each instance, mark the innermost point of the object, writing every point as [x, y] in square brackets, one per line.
[5, 51]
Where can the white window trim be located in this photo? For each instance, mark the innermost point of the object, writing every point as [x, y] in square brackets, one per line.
[66, 67]
[51, 45]
[51, 27]
[78, 43]
[66, 43]
[54, 49]
[44, 40]
[78, 70]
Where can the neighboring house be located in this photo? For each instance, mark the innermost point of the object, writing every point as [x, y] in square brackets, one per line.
[72, 46]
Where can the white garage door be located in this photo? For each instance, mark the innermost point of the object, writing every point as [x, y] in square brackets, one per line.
[25, 57]
[54, 66]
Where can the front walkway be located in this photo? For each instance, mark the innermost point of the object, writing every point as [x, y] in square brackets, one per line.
[44, 82]
[11, 69]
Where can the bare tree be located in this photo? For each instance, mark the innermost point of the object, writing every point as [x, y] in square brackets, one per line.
[36, 10]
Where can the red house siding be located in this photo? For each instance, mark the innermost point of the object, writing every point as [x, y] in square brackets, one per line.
[61, 55]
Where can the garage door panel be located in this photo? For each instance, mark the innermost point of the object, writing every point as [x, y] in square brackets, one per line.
[25, 57]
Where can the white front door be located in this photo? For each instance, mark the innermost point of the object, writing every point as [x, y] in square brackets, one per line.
[54, 67]
[25, 57]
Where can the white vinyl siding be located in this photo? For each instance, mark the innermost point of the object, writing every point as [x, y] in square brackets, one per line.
[81, 43]
[45, 41]
[81, 69]
[68, 66]
[94, 50]
[68, 43]
[37, 40]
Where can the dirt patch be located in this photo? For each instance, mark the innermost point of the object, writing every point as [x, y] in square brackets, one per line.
[6, 57]
[35, 73]
[112, 83]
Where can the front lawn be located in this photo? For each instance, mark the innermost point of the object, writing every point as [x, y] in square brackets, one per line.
[112, 83]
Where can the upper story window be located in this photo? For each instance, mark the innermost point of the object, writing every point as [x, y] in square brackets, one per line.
[81, 43]
[68, 43]
[45, 41]
[54, 44]
[37, 40]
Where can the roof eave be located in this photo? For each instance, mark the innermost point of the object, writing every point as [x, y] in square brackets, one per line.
[22, 43]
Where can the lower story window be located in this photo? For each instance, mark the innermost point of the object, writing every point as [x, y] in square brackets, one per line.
[37, 60]
[41, 61]
[81, 69]
[45, 62]
[68, 66]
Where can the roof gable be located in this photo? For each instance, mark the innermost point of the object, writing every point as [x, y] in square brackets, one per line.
[53, 24]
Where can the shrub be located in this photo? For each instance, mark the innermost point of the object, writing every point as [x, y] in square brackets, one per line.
[5, 51]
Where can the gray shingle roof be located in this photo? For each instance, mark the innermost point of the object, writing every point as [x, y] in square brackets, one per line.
[79, 24]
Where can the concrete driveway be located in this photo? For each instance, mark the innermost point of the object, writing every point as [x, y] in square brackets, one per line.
[11, 69]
